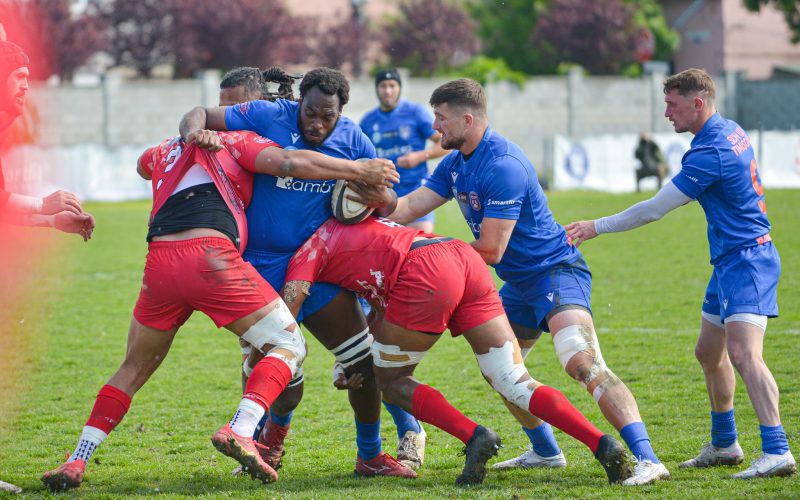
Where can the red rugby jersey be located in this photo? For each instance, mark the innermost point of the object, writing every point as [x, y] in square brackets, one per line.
[364, 257]
[231, 169]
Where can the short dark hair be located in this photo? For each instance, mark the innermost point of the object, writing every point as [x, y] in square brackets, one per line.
[461, 93]
[691, 81]
[327, 80]
[245, 76]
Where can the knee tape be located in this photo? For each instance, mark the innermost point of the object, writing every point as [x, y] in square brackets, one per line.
[353, 349]
[279, 329]
[504, 374]
[753, 319]
[390, 356]
[579, 339]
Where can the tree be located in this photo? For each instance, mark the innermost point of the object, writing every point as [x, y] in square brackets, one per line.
[342, 43]
[430, 36]
[139, 31]
[599, 35]
[649, 15]
[60, 41]
[505, 29]
[243, 33]
[790, 9]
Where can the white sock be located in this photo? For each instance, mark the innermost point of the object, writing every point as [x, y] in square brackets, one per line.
[247, 417]
[90, 439]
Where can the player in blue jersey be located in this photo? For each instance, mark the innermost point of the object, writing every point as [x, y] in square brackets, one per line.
[547, 283]
[400, 129]
[720, 172]
[284, 213]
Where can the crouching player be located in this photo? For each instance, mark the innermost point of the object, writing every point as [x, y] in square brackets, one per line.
[197, 231]
[426, 284]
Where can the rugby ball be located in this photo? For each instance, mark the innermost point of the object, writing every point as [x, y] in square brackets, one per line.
[345, 210]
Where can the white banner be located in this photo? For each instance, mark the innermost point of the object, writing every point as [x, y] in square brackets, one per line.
[606, 163]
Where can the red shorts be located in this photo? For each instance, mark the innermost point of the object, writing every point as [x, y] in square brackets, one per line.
[200, 274]
[440, 286]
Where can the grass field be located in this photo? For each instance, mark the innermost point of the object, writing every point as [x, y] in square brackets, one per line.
[648, 285]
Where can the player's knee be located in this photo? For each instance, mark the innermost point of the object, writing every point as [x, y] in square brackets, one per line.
[278, 334]
[742, 358]
[507, 375]
[579, 352]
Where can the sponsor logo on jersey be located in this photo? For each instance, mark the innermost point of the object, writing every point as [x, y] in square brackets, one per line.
[295, 136]
[405, 132]
[461, 197]
[378, 275]
[550, 296]
[244, 108]
[293, 184]
[475, 227]
[492, 203]
[376, 137]
[454, 175]
[474, 201]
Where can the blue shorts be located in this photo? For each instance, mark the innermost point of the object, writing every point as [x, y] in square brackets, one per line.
[529, 303]
[272, 267]
[745, 281]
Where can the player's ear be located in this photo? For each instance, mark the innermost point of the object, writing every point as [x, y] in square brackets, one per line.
[469, 119]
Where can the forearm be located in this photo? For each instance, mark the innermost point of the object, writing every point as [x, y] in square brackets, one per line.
[314, 166]
[192, 121]
[31, 220]
[294, 293]
[22, 204]
[669, 198]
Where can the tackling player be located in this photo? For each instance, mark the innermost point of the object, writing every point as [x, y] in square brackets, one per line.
[424, 284]
[720, 172]
[285, 211]
[547, 283]
[197, 231]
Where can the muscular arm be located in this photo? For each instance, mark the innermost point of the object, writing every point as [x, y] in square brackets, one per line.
[202, 118]
[415, 204]
[495, 234]
[317, 166]
[667, 199]
[294, 293]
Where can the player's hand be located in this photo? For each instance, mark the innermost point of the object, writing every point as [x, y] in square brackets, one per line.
[378, 172]
[580, 231]
[412, 159]
[371, 196]
[206, 139]
[70, 222]
[61, 201]
[342, 382]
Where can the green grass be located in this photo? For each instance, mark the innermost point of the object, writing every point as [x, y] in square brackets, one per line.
[648, 286]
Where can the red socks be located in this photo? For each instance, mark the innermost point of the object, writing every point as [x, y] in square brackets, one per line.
[553, 407]
[428, 405]
[109, 408]
[268, 380]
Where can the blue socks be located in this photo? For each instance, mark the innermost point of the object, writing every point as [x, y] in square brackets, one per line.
[283, 421]
[543, 441]
[402, 419]
[773, 440]
[635, 436]
[368, 439]
[723, 429]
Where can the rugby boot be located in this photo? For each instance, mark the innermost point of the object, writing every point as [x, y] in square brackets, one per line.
[532, 460]
[614, 459]
[483, 445]
[711, 456]
[245, 451]
[769, 465]
[10, 488]
[383, 465]
[646, 472]
[272, 438]
[411, 449]
[66, 476]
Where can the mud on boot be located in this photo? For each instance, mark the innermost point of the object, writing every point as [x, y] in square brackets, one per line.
[483, 445]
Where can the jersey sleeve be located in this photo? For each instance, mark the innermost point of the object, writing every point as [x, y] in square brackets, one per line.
[700, 168]
[311, 258]
[439, 181]
[253, 115]
[147, 160]
[245, 147]
[365, 147]
[424, 123]
[505, 189]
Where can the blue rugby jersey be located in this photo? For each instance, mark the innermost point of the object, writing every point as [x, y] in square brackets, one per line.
[286, 211]
[397, 132]
[498, 181]
[720, 172]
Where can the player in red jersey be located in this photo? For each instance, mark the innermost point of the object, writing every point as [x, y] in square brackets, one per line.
[197, 231]
[424, 284]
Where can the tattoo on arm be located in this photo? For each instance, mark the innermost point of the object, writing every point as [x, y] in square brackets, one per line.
[290, 290]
